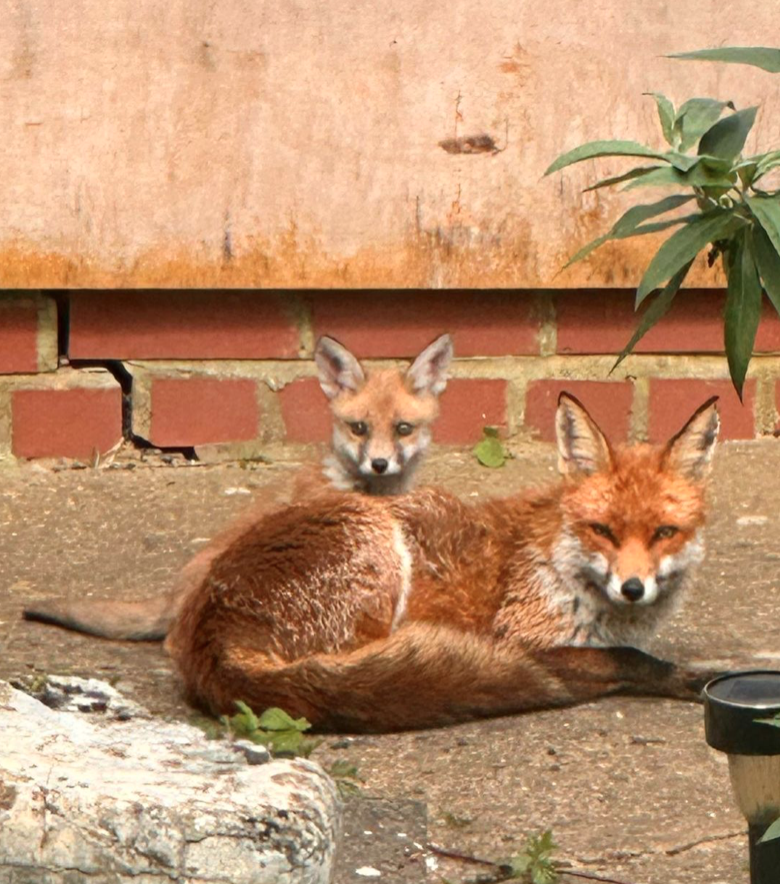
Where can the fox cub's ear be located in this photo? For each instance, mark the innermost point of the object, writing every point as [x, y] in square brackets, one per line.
[582, 447]
[428, 373]
[337, 367]
[690, 451]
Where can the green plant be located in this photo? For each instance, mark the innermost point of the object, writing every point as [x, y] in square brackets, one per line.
[534, 865]
[725, 209]
[281, 733]
[346, 776]
[490, 451]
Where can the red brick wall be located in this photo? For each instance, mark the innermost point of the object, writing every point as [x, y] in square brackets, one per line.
[217, 367]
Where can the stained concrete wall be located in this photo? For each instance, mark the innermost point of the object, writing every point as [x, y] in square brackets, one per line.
[299, 144]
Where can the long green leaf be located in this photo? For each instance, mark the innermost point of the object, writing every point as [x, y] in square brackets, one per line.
[658, 308]
[682, 161]
[695, 116]
[683, 246]
[642, 230]
[626, 176]
[666, 115]
[758, 56]
[768, 263]
[628, 223]
[766, 162]
[638, 214]
[767, 210]
[747, 171]
[726, 138]
[594, 149]
[698, 176]
[743, 309]
[657, 226]
[717, 166]
[771, 833]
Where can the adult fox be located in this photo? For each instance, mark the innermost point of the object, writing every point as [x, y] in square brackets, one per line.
[388, 613]
[381, 432]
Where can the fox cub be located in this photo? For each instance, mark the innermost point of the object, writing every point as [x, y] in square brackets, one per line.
[382, 420]
[379, 614]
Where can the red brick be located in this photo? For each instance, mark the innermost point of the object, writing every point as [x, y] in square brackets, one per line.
[202, 411]
[180, 325]
[673, 401]
[391, 323]
[18, 338]
[65, 422]
[609, 403]
[603, 322]
[305, 411]
[468, 405]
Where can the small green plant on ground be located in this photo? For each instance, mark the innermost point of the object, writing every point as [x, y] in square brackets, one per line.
[490, 451]
[725, 208]
[282, 734]
[277, 730]
[535, 864]
[347, 777]
[454, 820]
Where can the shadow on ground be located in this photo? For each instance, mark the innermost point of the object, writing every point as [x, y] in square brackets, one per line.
[627, 785]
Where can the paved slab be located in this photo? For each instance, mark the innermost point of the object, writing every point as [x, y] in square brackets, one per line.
[627, 785]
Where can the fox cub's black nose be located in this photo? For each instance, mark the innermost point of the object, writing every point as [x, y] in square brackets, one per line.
[379, 465]
[633, 589]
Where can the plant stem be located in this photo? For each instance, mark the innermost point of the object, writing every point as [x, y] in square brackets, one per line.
[464, 857]
[476, 860]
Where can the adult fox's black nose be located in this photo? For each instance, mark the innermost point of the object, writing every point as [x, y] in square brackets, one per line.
[379, 465]
[633, 589]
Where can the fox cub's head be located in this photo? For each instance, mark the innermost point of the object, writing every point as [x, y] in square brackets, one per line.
[633, 515]
[382, 420]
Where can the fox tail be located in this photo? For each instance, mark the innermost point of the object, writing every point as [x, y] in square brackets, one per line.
[147, 620]
[423, 676]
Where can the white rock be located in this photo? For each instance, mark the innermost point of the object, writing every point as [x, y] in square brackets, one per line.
[145, 801]
[69, 693]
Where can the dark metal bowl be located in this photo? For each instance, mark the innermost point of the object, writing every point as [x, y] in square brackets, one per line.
[733, 707]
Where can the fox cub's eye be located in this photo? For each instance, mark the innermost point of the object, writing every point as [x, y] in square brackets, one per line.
[404, 429]
[359, 428]
[665, 532]
[603, 531]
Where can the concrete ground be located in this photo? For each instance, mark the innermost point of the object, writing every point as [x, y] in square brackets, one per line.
[628, 786]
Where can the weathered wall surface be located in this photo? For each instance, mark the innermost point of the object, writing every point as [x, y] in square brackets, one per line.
[299, 144]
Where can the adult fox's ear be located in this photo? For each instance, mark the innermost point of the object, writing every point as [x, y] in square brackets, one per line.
[338, 369]
[690, 451]
[582, 447]
[429, 372]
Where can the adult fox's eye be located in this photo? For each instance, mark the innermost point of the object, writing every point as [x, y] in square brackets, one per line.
[665, 532]
[603, 531]
[404, 429]
[359, 428]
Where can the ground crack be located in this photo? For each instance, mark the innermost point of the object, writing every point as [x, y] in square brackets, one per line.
[628, 855]
[708, 840]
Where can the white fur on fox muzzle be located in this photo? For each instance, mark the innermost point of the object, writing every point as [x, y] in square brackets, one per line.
[618, 593]
[389, 466]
